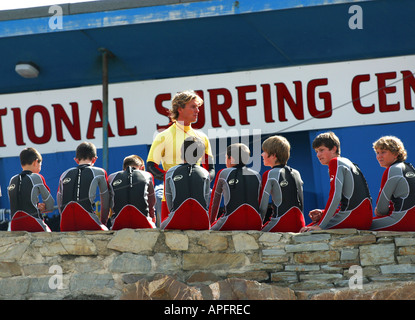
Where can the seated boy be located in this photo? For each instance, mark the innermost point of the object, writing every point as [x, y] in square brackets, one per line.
[132, 187]
[395, 205]
[79, 185]
[284, 185]
[24, 190]
[349, 204]
[240, 187]
[187, 190]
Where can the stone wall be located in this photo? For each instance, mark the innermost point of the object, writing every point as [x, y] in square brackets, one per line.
[132, 263]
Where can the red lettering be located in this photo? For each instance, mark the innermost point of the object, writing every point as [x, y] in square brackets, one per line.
[243, 102]
[96, 108]
[284, 95]
[74, 127]
[216, 107]
[383, 90]
[266, 92]
[408, 84]
[122, 130]
[3, 112]
[356, 94]
[325, 96]
[158, 102]
[17, 117]
[30, 124]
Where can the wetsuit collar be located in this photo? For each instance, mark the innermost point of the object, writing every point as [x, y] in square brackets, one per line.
[278, 166]
[183, 127]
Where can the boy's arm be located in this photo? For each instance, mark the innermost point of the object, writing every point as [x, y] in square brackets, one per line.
[264, 194]
[46, 196]
[215, 198]
[336, 187]
[104, 197]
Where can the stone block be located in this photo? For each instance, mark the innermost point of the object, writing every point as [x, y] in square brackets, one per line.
[213, 242]
[13, 248]
[397, 268]
[214, 261]
[270, 238]
[352, 241]
[404, 242]
[79, 246]
[9, 269]
[130, 263]
[311, 237]
[317, 257]
[135, 241]
[349, 254]
[377, 254]
[88, 281]
[274, 256]
[244, 242]
[406, 251]
[302, 267]
[284, 277]
[177, 241]
[306, 247]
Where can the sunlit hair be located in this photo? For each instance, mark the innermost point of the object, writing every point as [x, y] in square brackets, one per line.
[393, 144]
[327, 139]
[133, 161]
[180, 100]
[278, 146]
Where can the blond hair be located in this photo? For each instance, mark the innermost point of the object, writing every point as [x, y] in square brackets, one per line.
[180, 100]
[278, 146]
[393, 144]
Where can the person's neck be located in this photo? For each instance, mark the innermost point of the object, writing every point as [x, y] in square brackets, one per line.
[184, 123]
[81, 162]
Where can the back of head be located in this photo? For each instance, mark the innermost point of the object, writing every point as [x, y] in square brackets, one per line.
[239, 152]
[278, 146]
[86, 151]
[28, 155]
[393, 144]
[193, 149]
[133, 161]
[327, 139]
[180, 100]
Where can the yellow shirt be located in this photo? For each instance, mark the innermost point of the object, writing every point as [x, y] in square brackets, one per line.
[167, 145]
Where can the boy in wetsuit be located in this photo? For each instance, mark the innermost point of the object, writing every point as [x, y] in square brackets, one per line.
[134, 187]
[187, 188]
[285, 187]
[349, 204]
[24, 190]
[79, 184]
[395, 206]
[240, 187]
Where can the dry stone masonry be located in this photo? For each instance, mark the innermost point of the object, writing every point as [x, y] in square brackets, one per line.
[157, 264]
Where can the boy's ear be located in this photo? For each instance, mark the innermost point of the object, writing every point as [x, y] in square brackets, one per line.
[76, 160]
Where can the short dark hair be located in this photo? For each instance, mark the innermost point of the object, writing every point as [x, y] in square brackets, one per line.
[193, 149]
[86, 151]
[28, 155]
[327, 139]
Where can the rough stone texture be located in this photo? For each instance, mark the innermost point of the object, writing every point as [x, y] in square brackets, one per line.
[174, 264]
